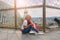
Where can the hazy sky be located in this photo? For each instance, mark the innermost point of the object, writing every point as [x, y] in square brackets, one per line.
[37, 12]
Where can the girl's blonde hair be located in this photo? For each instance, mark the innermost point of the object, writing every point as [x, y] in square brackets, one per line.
[27, 16]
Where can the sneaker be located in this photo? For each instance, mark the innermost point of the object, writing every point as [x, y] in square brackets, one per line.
[31, 32]
[40, 33]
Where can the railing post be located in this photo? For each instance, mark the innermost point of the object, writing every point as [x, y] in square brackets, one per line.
[44, 15]
[15, 13]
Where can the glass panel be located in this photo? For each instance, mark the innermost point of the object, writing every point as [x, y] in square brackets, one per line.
[20, 17]
[52, 16]
[19, 20]
[0, 17]
[55, 3]
[6, 4]
[23, 3]
[7, 18]
[35, 13]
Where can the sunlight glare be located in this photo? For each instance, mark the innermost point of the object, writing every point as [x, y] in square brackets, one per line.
[22, 3]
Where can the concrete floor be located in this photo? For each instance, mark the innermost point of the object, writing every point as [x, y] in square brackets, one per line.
[55, 35]
[8, 34]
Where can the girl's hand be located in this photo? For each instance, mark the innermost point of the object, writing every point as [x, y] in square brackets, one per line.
[30, 25]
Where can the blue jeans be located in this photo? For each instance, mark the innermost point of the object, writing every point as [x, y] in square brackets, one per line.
[27, 30]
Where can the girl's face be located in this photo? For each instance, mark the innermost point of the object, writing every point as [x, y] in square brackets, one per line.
[28, 17]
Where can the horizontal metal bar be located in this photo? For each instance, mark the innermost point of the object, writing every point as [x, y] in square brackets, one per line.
[29, 7]
[6, 9]
[36, 6]
[52, 7]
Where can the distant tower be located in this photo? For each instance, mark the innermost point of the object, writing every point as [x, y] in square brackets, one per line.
[25, 13]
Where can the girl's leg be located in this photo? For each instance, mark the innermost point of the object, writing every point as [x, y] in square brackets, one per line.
[32, 28]
[26, 30]
[29, 29]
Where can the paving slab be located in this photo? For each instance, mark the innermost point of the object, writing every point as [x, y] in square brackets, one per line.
[10, 34]
[54, 35]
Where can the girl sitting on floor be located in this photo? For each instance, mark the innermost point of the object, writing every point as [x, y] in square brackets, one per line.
[27, 26]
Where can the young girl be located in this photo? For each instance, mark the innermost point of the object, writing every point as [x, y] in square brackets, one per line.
[27, 25]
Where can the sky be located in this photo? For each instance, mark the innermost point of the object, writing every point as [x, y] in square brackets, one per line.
[37, 12]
